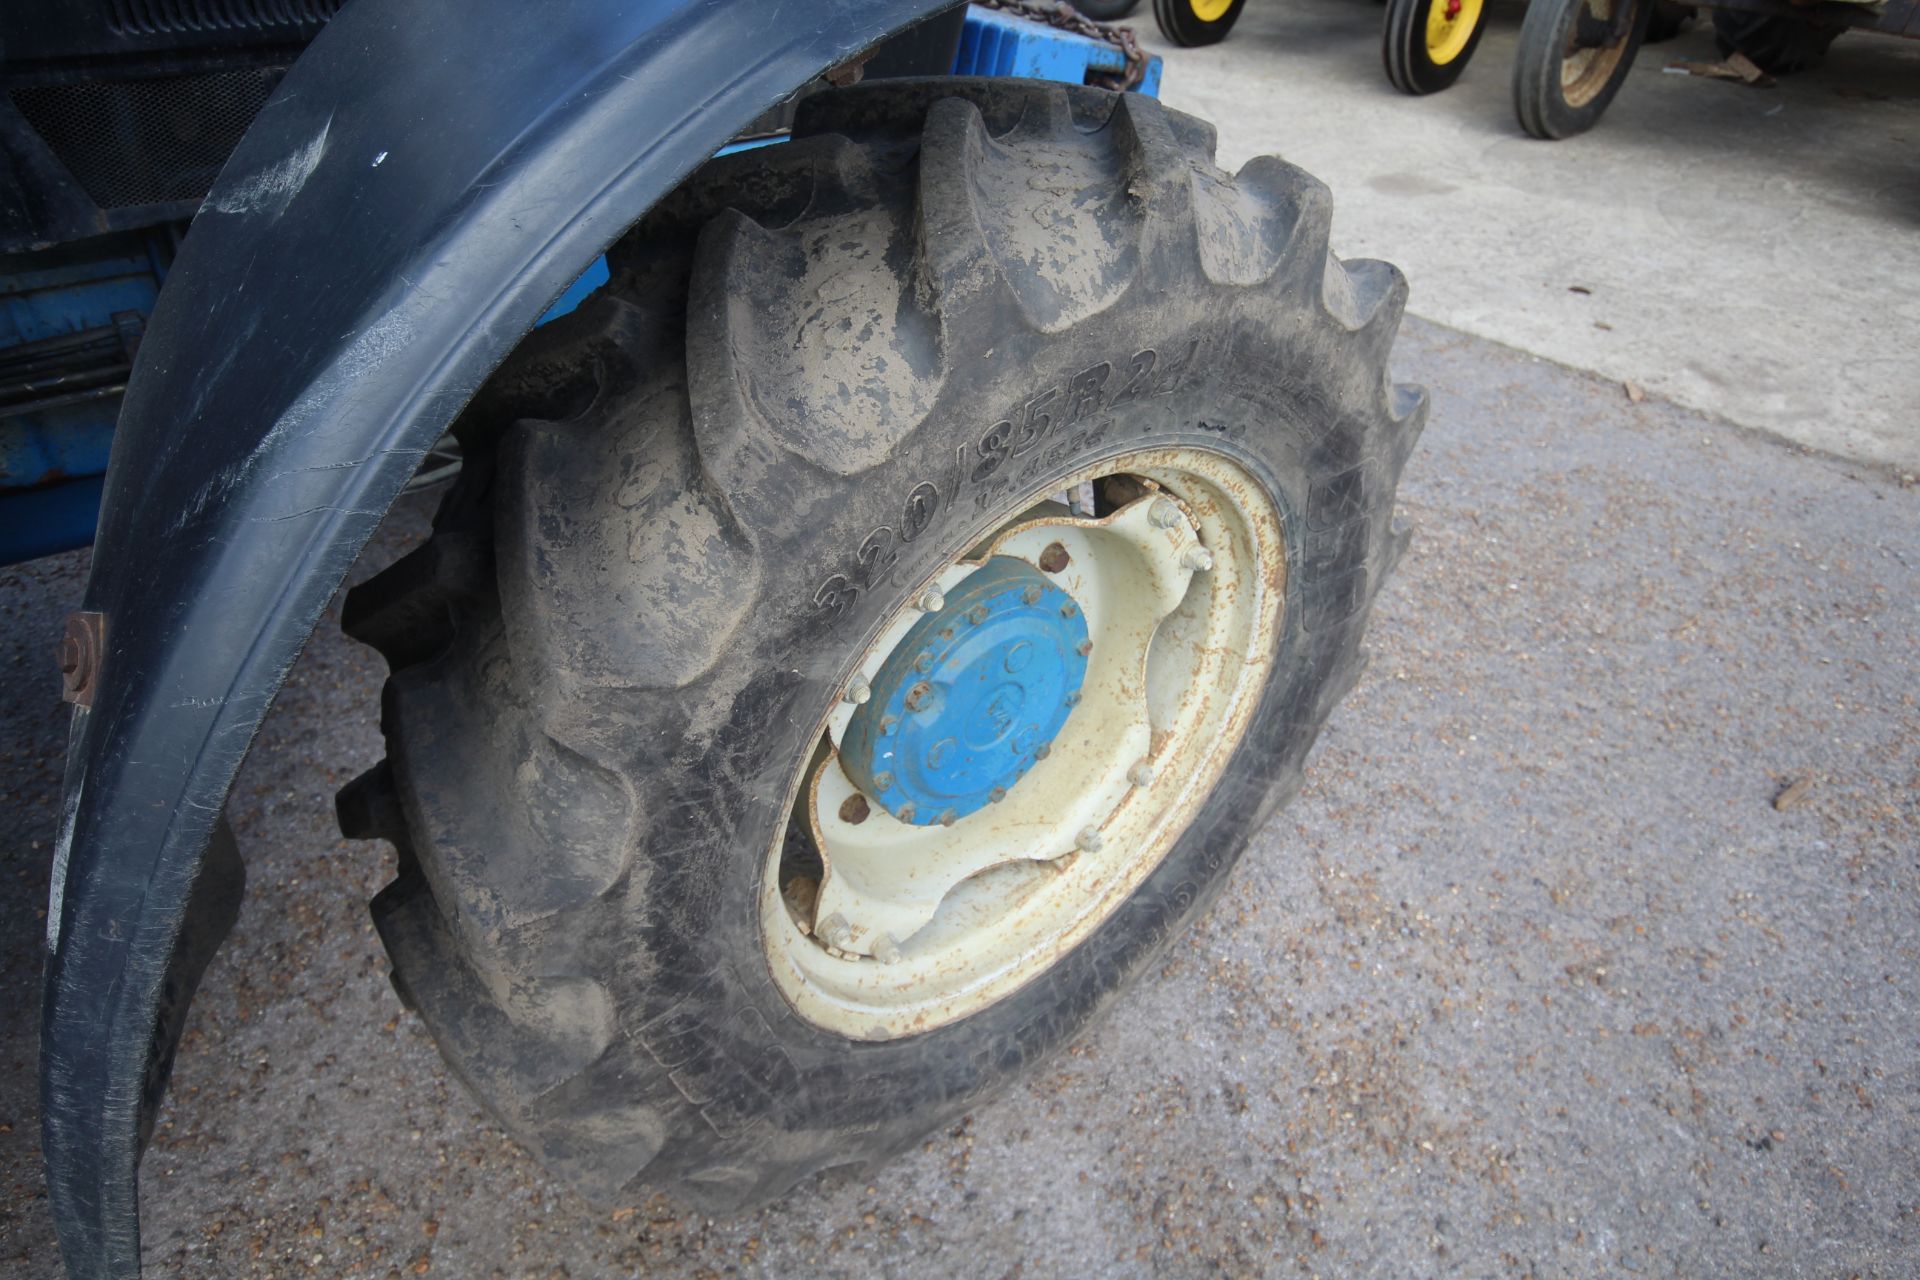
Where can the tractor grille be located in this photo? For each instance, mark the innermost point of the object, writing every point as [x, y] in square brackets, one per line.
[171, 17]
[149, 141]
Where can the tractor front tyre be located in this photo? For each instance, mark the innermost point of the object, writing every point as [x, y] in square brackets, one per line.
[1426, 44]
[1192, 23]
[864, 633]
[1573, 57]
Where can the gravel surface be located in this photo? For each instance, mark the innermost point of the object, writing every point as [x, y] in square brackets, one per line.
[1542, 974]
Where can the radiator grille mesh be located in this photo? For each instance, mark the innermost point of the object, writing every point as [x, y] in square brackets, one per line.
[170, 17]
[148, 141]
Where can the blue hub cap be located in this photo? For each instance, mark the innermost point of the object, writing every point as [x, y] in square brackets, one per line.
[969, 695]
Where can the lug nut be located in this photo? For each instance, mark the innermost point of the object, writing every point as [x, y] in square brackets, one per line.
[1141, 775]
[888, 724]
[883, 781]
[946, 817]
[977, 614]
[834, 931]
[1163, 514]
[1042, 751]
[1084, 648]
[1068, 609]
[996, 795]
[923, 662]
[1031, 595]
[919, 696]
[1072, 699]
[907, 812]
[858, 690]
[1198, 559]
[931, 601]
[1089, 841]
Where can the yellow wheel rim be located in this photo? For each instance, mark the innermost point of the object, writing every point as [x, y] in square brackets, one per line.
[1210, 10]
[1450, 25]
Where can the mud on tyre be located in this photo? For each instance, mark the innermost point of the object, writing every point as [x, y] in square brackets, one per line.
[820, 374]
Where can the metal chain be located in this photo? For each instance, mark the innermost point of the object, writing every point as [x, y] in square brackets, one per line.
[1059, 13]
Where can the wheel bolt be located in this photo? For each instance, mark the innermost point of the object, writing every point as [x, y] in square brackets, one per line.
[997, 795]
[946, 817]
[1089, 841]
[888, 724]
[1068, 609]
[1042, 751]
[919, 696]
[1163, 514]
[858, 690]
[1141, 775]
[1031, 595]
[923, 662]
[1072, 699]
[883, 781]
[907, 813]
[834, 931]
[977, 614]
[1084, 648]
[931, 601]
[1198, 559]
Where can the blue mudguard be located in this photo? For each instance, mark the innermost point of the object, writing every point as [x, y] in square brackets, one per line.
[425, 182]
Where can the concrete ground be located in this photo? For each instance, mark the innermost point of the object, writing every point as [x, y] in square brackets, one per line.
[1748, 252]
[1534, 979]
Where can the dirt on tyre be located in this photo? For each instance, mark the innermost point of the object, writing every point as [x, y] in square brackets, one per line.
[1192, 23]
[979, 490]
[1426, 44]
[1573, 57]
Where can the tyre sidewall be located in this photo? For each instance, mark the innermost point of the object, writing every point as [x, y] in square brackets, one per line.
[1409, 65]
[1538, 89]
[1180, 24]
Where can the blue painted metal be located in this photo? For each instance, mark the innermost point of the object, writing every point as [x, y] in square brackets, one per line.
[1001, 44]
[54, 517]
[969, 695]
[56, 434]
[579, 291]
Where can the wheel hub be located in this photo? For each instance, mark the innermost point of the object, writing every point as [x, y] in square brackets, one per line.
[972, 694]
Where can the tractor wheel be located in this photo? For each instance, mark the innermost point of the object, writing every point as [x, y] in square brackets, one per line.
[1197, 22]
[869, 628]
[1779, 46]
[1574, 55]
[1106, 10]
[1426, 43]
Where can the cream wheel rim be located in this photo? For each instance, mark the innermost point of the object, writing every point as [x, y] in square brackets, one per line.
[908, 927]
